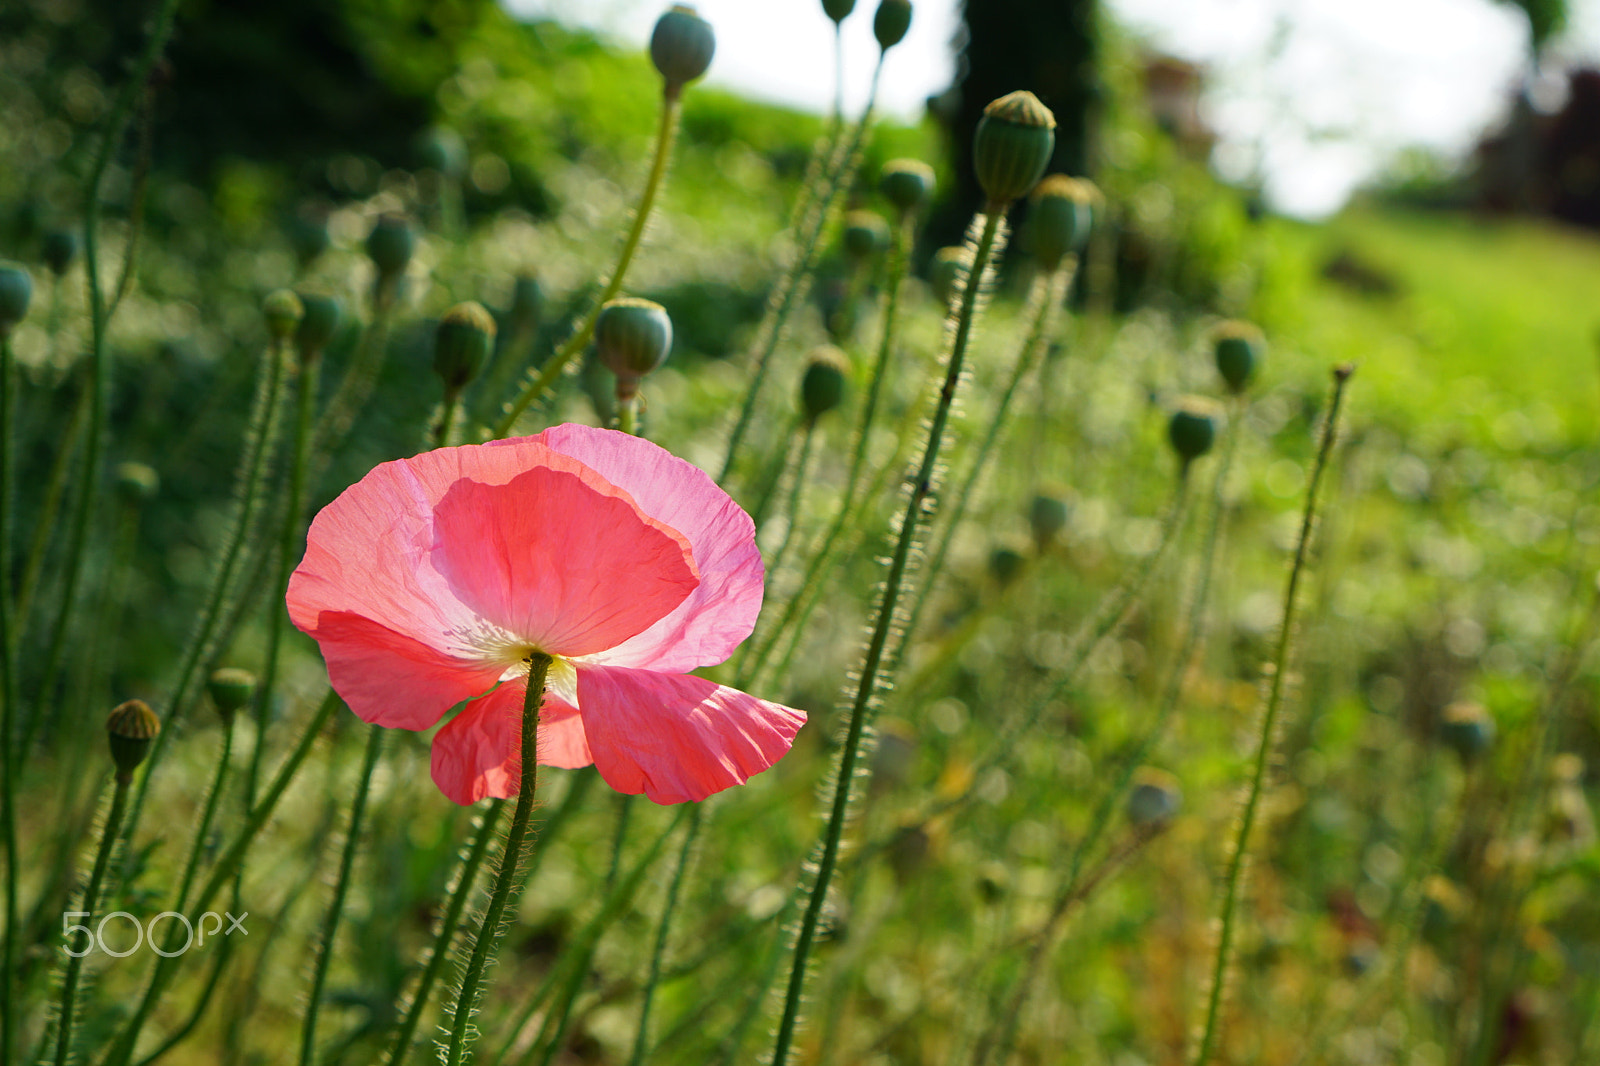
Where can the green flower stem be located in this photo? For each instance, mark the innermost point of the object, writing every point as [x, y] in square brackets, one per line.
[921, 487]
[730, 1050]
[207, 813]
[619, 838]
[796, 489]
[91, 899]
[9, 690]
[641, 1039]
[1269, 722]
[45, 530]
[628, 414]
[791, 284]
[666, 133]
[207, 992]
[773, 477]
[447, 415]
[507, 883]
[341, 886]
[222, 875]
[366, 364]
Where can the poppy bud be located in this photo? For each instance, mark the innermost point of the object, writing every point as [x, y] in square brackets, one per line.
[906, 183]
[60, 250]
[865, 235]
[1467, 729]
[890, 23]
[1062, 209]
[1155, 798]
[1006, 564]
[131, 728]
[441, 148]
[1012, 146]
[136, 482]
[527, 302]
[390, 245]
[307, 230]
[1047, 517]
[949, 268]
[838, 10]
[681, 47]
[231, 688]
[1239, 347]
[283, 311]
[1192, 430]
[631, 338]
[823, 386]
[319, 324]
[461, 345]
[16, 292]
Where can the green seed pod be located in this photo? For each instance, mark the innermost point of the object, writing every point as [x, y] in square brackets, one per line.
[948, 272]
[1155, 798]
[1467, 729]
[461, 345]
[1006, 564]
[825, 381]
[1192, 429]
[136, 482]
[906, 183]
[16, 292]
[283, 311]
[681, 47]
[441, 148]
[1047, 517]
[865, 235]
[527, 303]
[320, 323]
[1239, 347]
[1058, 222]
[307, 230]
[60, 250]
[838, 10]
[231, 688]
[890, 23]
[131, 728]
[631, 338]
[390, 245]
[1012, 146]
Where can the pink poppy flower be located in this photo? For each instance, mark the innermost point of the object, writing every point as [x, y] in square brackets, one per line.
[431, 580]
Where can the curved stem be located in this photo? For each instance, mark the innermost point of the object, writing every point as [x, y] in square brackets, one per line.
[641, 1040]
[207, 813]
[50, 508]
[91, 899]
[506, 882]
[795, 490]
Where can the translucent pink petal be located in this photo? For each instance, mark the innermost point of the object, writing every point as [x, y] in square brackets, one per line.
[560, 558]
[721, 612]
[390, 679]
[676, 737]
[478, 753]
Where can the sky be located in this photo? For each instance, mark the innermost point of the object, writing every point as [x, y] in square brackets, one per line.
[1313, 96]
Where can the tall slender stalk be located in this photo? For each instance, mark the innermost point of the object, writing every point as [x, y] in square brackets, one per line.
[9, 690]
[796, 489]
[1269, 722]
[641, 1040]
[202, 829]
[91, 900]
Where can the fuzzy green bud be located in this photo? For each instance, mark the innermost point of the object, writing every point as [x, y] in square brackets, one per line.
[1047, 517]
[307, 230]
[16, 293]
[390, 245]
[320, 323]
[838, 10]
[230, 689]
[1058, 222]
[1467, 729]
[60, 250]
[631, 338]
[823, 385]
[1155, 798]
[1012, 146]
[283, 311]
[948, 272]
[1192, 430]
[527, 302]
[906, 184]
[131, 728]
[1006, 564]
[681, 47]
[890, 22]
[441, 148]
[461, 345]
[135, 482]
[1238, 347]
[865, 235]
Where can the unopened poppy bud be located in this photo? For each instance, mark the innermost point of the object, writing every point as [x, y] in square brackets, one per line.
[230, 689]
[1006, 564]
[1012, 146]
[906, 183]
[131, 728]
[838, 10]
[994, 882]
[1155, 798]
[283, 311]
[948, 272]
[307, 230]
[60, 250]
[1192, 429]
[527, 302]
[1047, 517]
[390, 245]
[441, 148]
[16, 293]
[681, 47]
[1239, 347]
[321, 321]
[823, 385]
[461, 346]
[890, 23]
[136, 482]
[1467, 729]
[865, 235]
[1059, 219]
[631, 338]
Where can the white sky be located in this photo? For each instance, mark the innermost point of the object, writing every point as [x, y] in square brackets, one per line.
[1317, 94]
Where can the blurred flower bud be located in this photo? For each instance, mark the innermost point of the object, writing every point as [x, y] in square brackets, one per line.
[1467, 729]
[631, 338]
[527, 303]
[231, 688]
[131, 728]
[1155, 798]
[994, 881]
[60, 250]
[906, 184]
[461, 345]
[283, 311]
[946, 273]
[1047, 517]
[1192, 429]
[865, 235]
[681, 47]
[307, 230]
[441, 148]
[136, 482]
[822, 388]
[1012, 146]
[838, 10]
[1059, 219]
[16, 292]
[318, 326]
[1239, 347]
[390, 245]
[890, 23]
[1006, 564]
